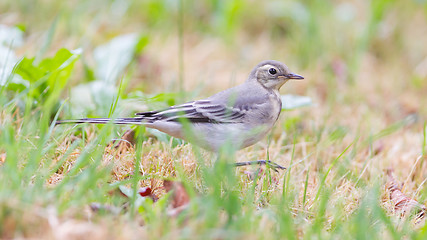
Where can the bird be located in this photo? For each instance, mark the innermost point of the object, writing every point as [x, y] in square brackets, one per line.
[241, 115]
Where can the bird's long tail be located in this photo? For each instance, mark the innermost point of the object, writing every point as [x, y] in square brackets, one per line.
[135, 120]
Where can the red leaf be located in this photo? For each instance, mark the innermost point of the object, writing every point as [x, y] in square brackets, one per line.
[144, 191]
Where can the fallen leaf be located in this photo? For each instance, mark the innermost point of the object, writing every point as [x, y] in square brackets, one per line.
[179, 198]
[144, 191]
[401, 202]
[139, 199]
[126, 141]
[125, 191]
[147, 192]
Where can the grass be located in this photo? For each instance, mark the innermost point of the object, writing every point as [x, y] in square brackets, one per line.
[365, 69]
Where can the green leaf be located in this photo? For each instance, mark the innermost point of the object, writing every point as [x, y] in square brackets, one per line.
[17, 84]
[28, 71]
[57, 69]
[142, 43]
[169, 98]
[290, 102]
[94, 97]
[11, 36]
[46, 79]
[8, 60]
[113, 57]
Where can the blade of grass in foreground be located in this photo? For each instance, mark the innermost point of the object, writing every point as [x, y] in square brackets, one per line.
[287, 177]
[322, 183]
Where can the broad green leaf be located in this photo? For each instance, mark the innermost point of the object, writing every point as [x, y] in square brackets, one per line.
[113, 57]
[52, 72]
[94, 97]
[290, 102]
[10, 38]
[8, 60]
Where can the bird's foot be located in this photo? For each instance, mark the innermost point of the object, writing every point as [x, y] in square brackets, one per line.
[268, 163]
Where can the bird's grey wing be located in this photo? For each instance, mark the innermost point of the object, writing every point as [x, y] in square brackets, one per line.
[202, 111]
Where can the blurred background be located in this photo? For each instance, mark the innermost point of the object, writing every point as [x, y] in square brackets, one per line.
[364, 62]
[364, 48]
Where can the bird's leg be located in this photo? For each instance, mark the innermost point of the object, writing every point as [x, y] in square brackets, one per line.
[268, 163]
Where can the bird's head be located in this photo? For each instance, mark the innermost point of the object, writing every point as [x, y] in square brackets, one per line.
[273, 74]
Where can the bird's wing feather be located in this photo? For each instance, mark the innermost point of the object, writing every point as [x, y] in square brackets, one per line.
[229, 106]
[202, 111]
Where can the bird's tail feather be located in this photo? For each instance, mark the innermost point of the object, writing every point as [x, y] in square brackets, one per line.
[136, 120]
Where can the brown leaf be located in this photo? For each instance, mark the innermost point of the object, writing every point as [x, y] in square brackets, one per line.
[126, 141]
[179, 199]
[402, 203]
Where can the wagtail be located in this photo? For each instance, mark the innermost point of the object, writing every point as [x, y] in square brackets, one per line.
[241, 115]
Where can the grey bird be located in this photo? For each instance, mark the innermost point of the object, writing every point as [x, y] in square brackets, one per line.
[241, 115]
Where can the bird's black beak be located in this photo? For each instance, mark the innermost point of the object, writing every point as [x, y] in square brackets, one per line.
[294, 76]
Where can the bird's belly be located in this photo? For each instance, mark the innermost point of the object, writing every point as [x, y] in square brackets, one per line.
[213, 137]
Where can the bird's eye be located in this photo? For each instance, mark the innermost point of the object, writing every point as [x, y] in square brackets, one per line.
[272, 71]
